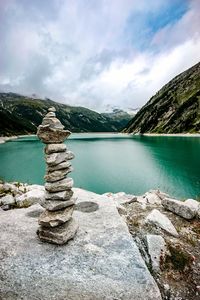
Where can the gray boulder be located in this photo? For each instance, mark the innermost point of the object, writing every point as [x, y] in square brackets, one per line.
[7, 200]
[180, 208]
[10, 187]
[156, 249]
[33, 196]
[160, 220]
[194, 205]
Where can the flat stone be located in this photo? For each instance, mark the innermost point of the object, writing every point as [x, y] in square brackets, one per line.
[7, 200]
[56, 175]
[160, 220]
[52, 148]
[50, 135]
[50, 115]
[101, 262]
[56, 158]
[55, 218]
[52, 109]
[9, 187]
[54, 205]
[180, 208]
[157, 249]
[63, 165]
[194, 205]
[66, 195]
[59, 186]
[53, 122]
[58, 235]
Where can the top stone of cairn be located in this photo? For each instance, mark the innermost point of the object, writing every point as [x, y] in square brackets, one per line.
[51, 130]
[52, 109]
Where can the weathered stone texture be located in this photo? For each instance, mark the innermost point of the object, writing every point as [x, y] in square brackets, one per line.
[55, 223]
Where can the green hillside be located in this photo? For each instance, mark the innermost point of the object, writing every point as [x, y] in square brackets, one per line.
[175, 108]
[22, 115]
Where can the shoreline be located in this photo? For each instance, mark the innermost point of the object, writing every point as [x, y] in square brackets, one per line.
[172, 134]
[4, 139]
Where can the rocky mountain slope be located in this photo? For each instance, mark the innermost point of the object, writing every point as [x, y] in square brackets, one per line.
[22, 115]
[175, 108]
[118, 115]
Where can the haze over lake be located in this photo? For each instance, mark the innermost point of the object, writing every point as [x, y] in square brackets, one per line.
[113, 163]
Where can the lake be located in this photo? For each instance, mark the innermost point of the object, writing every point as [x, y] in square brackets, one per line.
[114, 163]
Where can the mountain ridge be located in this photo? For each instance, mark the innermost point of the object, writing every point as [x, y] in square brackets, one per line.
[175, 108]
[22, 114]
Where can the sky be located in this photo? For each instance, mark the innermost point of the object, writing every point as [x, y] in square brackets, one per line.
[95, 53]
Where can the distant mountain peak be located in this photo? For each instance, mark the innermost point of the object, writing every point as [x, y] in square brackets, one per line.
[21, 114]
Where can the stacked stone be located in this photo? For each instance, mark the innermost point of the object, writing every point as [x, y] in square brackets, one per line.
[56, 223]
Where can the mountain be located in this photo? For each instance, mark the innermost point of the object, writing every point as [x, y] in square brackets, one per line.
[175, 108]
[119, 116]
[115, 109]
[21, 115]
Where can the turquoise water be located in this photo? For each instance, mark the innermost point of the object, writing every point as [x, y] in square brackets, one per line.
[114, 163]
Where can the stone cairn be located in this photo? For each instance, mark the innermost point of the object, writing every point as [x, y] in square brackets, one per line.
[56, 223]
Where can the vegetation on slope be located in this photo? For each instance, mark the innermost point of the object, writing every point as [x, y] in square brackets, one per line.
[22, 115]
[174, 109]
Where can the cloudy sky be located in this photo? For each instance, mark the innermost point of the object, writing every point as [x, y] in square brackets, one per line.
[96, 52]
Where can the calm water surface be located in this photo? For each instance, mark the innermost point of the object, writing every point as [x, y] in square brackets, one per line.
[113, 163]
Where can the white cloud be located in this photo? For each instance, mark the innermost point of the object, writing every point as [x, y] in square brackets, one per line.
[77, 51]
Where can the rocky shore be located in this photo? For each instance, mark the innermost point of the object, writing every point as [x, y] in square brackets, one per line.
[174, 134]
[165, 230]
[167, 233]
[4, 139]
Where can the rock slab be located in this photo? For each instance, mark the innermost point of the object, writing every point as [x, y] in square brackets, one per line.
[180, 208]
[156, 248]
[101, 262]
[160, 220]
